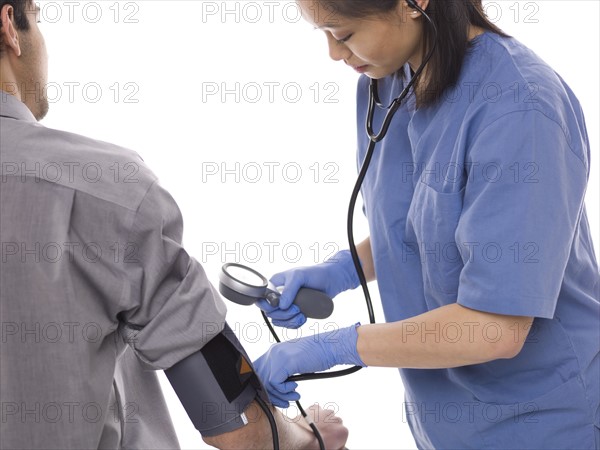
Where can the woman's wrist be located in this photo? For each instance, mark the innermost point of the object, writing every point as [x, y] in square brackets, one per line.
[342, 345]
[345, 264]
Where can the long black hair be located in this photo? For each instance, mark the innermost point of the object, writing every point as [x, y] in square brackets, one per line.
[452, 19]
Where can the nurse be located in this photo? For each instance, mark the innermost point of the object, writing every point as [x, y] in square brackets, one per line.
[479, 237]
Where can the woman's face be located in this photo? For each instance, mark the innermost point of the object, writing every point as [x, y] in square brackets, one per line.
[376, 46]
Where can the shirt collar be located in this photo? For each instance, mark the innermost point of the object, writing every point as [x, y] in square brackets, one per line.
[12, 107]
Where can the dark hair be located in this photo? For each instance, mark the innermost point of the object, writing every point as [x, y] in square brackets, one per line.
[451, 17]
[21, 21]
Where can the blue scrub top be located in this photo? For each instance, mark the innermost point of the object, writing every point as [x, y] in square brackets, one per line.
[479, 200]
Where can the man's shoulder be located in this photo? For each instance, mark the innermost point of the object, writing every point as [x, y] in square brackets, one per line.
[89, 166]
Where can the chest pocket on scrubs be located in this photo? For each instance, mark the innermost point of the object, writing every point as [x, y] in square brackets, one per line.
[433, 217]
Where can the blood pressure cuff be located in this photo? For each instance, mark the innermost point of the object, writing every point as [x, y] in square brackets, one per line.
[216, 385]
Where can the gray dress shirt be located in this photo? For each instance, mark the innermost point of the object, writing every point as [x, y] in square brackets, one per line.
[96, 292]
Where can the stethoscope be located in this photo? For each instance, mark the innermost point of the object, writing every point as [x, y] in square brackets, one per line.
[246, 286]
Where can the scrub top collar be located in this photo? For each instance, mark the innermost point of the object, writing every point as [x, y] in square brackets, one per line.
[13, 108]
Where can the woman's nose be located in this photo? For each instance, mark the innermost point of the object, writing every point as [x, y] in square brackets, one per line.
[338, 51]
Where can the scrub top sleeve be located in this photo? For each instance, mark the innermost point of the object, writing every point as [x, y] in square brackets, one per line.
[522, 203]
[174, 310]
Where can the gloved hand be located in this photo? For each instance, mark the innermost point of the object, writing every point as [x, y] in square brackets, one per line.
[334, 276]
[305, 355]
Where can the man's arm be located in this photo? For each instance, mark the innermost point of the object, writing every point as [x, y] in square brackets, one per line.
[293, 433]
[220, 392]
[174, 320]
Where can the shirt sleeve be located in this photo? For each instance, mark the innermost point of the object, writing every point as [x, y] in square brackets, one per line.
[522, 203]
[173, 310]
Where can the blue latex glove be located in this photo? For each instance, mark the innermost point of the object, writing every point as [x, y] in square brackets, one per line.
[334, 276]
[305, 355]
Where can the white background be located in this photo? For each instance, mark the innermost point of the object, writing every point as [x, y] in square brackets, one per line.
[152, 64]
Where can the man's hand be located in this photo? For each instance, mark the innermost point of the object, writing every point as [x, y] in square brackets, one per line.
[331, 427]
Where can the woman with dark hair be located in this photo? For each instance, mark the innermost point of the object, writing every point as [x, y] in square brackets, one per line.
[479, 237]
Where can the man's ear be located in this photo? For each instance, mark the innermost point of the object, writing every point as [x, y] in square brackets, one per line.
[8, 31]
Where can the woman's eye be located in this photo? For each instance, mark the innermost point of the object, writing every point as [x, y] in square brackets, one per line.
[341, 41]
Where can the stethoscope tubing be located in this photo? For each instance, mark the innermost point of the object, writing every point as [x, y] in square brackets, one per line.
[374, 138]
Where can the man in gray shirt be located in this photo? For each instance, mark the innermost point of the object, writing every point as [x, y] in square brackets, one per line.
[97, 292]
